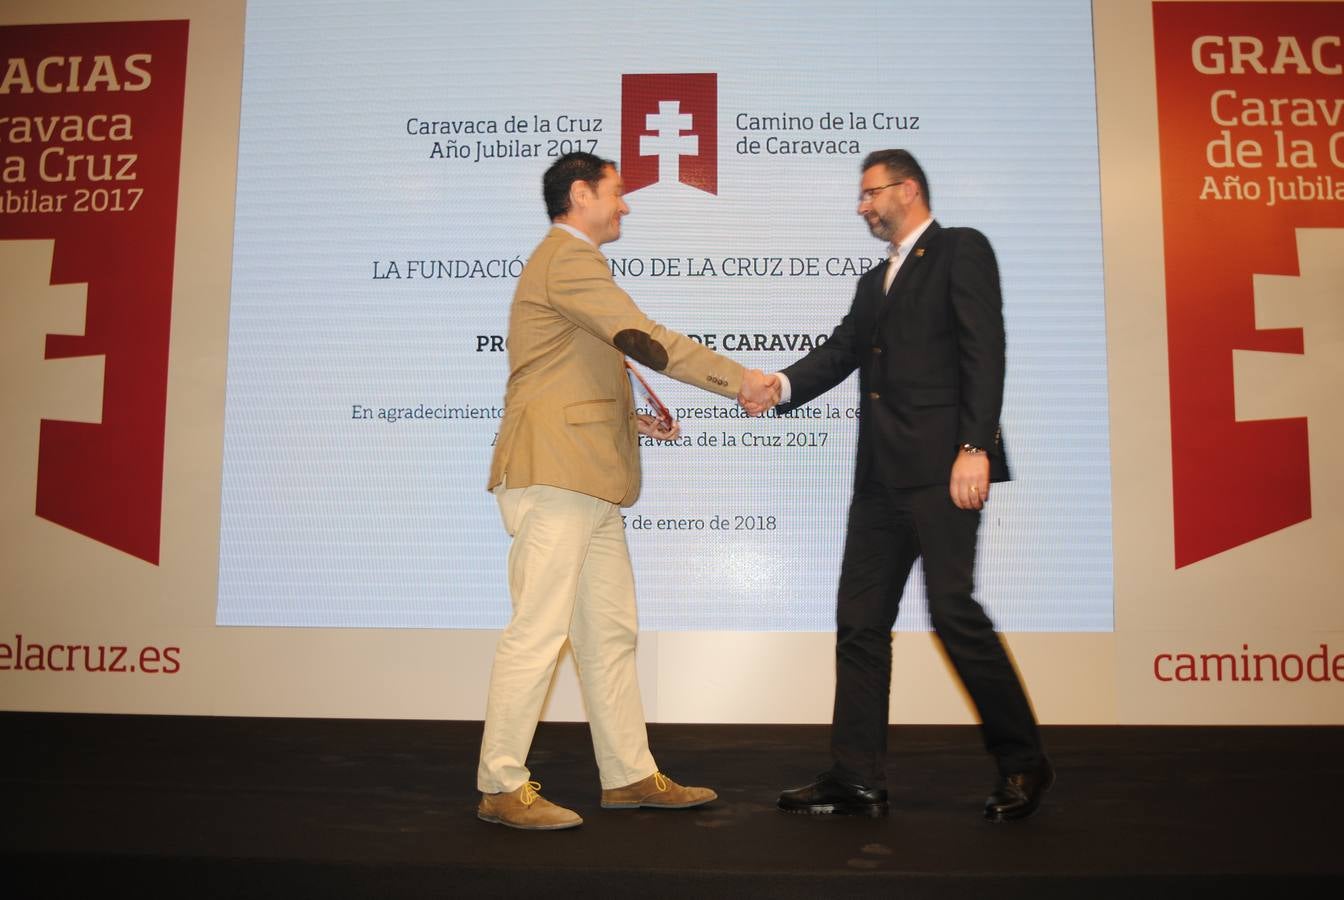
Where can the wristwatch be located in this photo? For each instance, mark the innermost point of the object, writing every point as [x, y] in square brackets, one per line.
[971, 448]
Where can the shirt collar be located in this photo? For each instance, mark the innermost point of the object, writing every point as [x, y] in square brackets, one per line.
[901, 249]
[574, 231]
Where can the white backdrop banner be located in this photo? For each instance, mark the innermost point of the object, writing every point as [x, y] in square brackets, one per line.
[390, 161]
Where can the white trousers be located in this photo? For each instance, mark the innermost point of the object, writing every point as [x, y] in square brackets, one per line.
[569, 578]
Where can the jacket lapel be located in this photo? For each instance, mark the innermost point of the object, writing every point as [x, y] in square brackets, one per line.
[908, 271]
[915, 259]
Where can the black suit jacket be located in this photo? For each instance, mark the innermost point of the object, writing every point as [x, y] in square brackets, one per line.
[930, 355]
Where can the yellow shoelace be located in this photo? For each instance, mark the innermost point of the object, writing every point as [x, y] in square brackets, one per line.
[659, 779]
[529, 792]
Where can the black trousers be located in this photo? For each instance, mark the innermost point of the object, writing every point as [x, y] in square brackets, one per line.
[888, 530]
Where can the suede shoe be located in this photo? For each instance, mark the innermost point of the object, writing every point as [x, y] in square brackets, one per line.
[526, 809]
[1019, 794]
[656, 792]
[831, 796]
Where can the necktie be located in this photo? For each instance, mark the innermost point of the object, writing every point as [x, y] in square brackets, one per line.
[893, 263]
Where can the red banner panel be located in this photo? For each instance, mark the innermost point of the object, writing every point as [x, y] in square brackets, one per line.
[1251, 125]
[90, 145]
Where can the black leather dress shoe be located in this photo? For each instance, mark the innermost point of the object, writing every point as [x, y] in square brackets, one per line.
[1018, 795]
[829, 796]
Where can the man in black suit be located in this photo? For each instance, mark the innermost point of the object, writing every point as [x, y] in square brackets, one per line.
[925, 332]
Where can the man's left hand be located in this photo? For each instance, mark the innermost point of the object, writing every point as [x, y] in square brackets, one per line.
[970, 480]
[652, 427]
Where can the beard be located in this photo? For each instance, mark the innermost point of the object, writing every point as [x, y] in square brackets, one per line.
[880, 227]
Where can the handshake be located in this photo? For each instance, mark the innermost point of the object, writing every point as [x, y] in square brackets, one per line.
[759, 393]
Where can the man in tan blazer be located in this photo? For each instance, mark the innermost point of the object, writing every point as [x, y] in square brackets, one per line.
[566, 461]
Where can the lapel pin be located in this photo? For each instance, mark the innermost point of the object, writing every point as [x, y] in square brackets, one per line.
[919, 251]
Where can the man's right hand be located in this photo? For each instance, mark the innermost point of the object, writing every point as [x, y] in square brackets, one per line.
[759, 392]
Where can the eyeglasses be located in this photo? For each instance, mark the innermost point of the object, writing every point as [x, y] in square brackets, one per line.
[866, 196]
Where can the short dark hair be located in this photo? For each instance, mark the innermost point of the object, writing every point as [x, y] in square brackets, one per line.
[562, 174]
[901, 164]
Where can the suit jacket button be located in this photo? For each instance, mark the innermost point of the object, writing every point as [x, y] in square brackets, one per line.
[874, 395]
[877, 349]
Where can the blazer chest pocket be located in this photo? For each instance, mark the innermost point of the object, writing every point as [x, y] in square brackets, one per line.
[587, 412]
[932, 396]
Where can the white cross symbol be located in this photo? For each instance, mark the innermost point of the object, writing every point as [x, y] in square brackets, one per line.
[669, 144]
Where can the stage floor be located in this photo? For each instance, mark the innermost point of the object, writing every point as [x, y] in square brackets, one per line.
[225, 807]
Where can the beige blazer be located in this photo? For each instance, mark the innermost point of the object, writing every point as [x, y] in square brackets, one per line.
[569, 415]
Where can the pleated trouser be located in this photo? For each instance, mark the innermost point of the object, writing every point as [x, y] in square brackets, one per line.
[570, 578]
